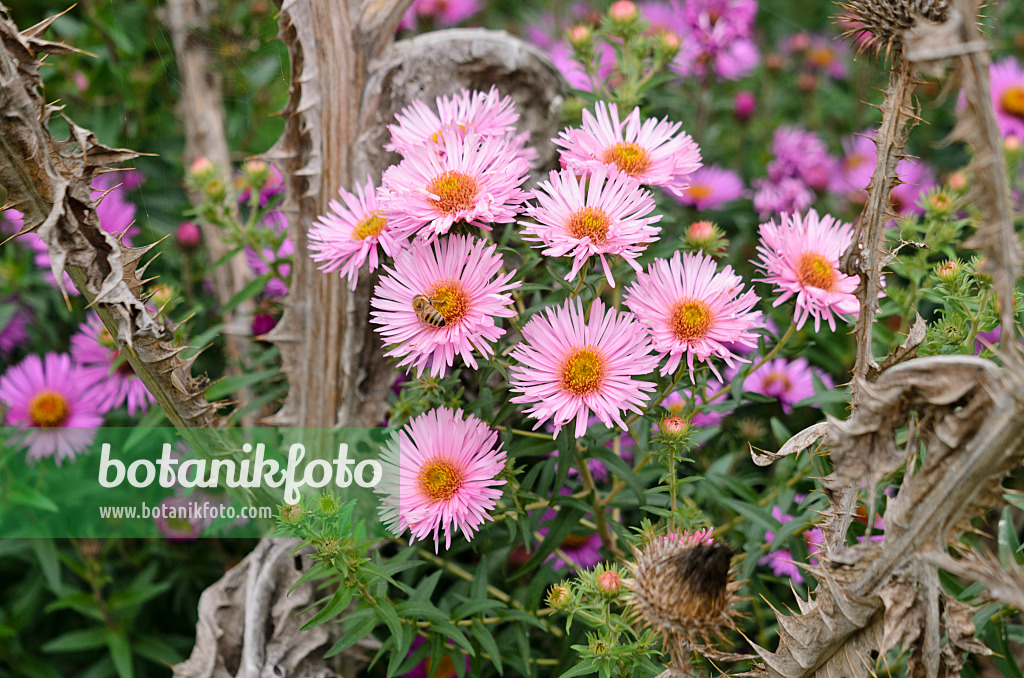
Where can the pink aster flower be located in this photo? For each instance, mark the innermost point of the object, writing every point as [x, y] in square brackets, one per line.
[461, 280]
[582, 549]
[348, 235]
[182, 518]
[856, 167]
[1007, 78]
[916, 178]
[440, 474]
[93, 348]
[52, 400]
[486, 114]
[280, 259]
[677, 402]
[800, 256]
[692, 310]
[711, 187]
[780, 196]
[604, 62]
[439, 13]
[716, 39]
[569, 367]
[14, 332]
[650, 152]
[781, 560]
[581, 217]
[802, 155]
[475, 180]
[789, 381]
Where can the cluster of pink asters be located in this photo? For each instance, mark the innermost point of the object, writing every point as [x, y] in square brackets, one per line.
[802, 165]
[57, 403]
[716, 38]
[780, 561]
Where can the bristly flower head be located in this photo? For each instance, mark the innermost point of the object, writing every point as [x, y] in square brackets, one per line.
[880, 24]
[800, 256]
[53, 401]
[650, 152]
[692, 310]
[94, 349]
[599, 215]
[461, 278]
[348, 235]
[440, 475]
[568, 367]
[681, 588]
[475, 180]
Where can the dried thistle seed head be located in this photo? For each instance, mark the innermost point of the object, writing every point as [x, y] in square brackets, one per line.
[681, 586]
[880, 24]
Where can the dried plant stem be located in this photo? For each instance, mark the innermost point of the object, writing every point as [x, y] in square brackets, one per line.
[867, 254]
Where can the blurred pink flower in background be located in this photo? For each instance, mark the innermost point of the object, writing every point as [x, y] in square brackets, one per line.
[789, 381]
[583, 550]
[116, 382]
[439, 13]
[711, 188]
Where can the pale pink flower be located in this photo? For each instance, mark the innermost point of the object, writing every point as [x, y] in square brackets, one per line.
[650, 152]
[856, 167]
[94, 349]
[1007, 78]
[692, 310]
[581, 217]
[53, 401]
[789, 381]
[711, 187]
[564, 59]
[800, 256]
[440, 13]
[475, 180]
[777, 196]
[348, 235]
[462, 278]
[440, 474]
[569, 367]
[486, 114]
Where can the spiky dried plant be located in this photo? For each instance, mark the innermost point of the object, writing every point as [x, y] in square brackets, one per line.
[880, 24]
[682, 588]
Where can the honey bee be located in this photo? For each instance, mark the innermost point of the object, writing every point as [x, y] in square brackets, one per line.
[425, 311]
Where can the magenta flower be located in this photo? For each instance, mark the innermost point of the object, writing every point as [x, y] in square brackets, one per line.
[711, 187]
[856, 167]
[692, 310]
[462, 278]
[781, 560]
[475, 180]
[716, 39]
[583, 550]
[582, 217]
[780, 196]
[562, 56]
[1007, 87]
[348, 235]
[569, 367]
[802, 155]
[650, 152]
[800, 256]
[53, 401]
[94, 349]
[440, 474]
[14, 332]
[280, 259]
[789, 381]
[439, 12]
[179, 521]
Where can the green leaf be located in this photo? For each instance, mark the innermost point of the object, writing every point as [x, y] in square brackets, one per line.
[49, 563]
[75, 641]
[26, 496]
[487, 642]
[584, 668]
[252, 288]
[156, 651]
[357, 626]
[337, 604]
[121, 653]
[1007, 537]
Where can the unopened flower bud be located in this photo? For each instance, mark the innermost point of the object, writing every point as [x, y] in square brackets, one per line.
[947, 271]
[330, 548]
[291, 514]
[202, 170]
[623, 11]
[189, 237]
[263, 323]
[215, 189]
[609, 582]
[256, 174]
[327, 504]
[559, 596]
[958, 181]
[774, 61]
[807, 82]
[673, 426]
[940, 203]
[1012, 143]
[743, 105]
[801, 42]
[599, 647]
[670, 42]
[579, 36]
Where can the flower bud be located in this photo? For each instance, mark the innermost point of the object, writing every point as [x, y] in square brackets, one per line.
[947, 271]
[579, 36]
[202, 170]
[673, 426]
[774, 61]
[1012, 143]
[262, 323]
[559, 596]
[958, 181]
[256, 173]
[609, 582]
[743, 105]
[939, 203]
[291, 514]
[623, 12]
[670, 42]
[327, 504]
[330, 548]
[807, 82]
[189, 237]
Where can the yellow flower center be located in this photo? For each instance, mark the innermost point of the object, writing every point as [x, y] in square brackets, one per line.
[372, 224]
[854, 161]
[179, 525]
[629, 157]
[439, 479]
[778, 378]
[105, 339]
[590, 222]
[48, 409]
[821, 57]
[445, 668]
[814, 270]
[574, 541]
[698, 192]
[455, 192]
[1012, 101]
[583, 371]
[450, 299]
[691, 319]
